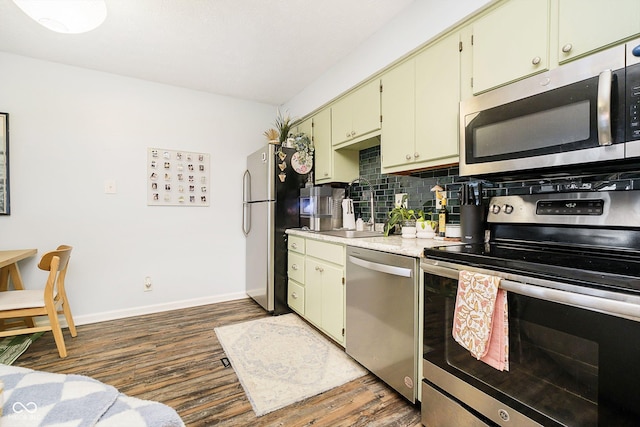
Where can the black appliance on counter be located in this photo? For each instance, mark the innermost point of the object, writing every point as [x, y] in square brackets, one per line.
[570, 263]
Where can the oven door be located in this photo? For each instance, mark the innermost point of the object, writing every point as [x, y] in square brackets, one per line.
[567, 116]
[568, 365]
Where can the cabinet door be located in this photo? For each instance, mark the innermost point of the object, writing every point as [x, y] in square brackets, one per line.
[313, 291]
[437, 102]
[341, 121]
[398, 115]
[322, 143]
[333, 301]
[510, 43]
[366, 109]
[357, 114]
[324, 297]
[305, 127]
[295, 297]
[585, 26]
[295, 268]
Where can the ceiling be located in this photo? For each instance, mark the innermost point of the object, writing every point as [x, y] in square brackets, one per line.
[260, 50]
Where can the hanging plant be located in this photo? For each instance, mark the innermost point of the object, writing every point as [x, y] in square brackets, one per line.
[302, 144]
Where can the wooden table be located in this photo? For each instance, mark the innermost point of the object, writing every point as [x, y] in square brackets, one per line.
[9, 267]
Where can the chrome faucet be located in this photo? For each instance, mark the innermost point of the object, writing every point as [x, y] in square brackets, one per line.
[361, 180]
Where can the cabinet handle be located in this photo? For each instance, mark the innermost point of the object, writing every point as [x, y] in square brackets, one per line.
[348, 134]
[326, 174]
[294, 266]
[408, 156]
[567, 48]
[294, 246]
[416, 155]
[320, 269]
[536, 60]
[294, 295]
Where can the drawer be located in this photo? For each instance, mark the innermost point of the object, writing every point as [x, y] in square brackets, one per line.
[295, 297]
[296, 244]
[295, 268]
[330, 252]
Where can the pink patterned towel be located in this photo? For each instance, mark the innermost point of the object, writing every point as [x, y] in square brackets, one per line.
[480, 320]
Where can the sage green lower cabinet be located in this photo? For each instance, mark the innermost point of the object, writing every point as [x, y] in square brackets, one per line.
[320, 296]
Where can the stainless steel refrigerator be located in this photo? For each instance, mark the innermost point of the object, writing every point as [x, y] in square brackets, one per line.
[271, 188]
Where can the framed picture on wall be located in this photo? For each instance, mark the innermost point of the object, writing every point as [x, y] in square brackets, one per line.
[4, 164]
[177, 178]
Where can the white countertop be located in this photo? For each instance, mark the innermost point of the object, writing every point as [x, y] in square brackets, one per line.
[393, 244]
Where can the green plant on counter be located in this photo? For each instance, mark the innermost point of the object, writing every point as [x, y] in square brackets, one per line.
[399, 215]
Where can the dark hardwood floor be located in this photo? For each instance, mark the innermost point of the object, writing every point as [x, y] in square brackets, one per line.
[174, 358]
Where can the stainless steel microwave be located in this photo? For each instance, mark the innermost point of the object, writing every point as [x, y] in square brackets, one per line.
[581, 117]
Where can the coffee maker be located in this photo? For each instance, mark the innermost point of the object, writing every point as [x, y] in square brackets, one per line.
[316, 208]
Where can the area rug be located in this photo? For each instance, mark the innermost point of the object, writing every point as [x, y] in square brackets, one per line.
[12, 347]
[281, 360]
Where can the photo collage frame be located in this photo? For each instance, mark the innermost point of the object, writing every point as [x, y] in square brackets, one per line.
[177, 178]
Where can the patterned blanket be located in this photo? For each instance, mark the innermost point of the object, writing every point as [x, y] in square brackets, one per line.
[36, 398]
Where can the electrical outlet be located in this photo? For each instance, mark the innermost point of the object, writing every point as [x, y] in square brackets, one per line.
[147, 284]
[110, 186]
[399, 200]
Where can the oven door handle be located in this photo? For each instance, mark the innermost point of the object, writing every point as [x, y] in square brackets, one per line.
[624, 309]
[616, 308]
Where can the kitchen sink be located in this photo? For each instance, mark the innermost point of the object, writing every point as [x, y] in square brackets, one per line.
[352, 233]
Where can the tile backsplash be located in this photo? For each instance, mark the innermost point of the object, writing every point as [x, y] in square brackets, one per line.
[418, 187]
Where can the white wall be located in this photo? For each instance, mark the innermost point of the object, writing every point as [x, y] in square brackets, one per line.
[72, 129]
[416, 25]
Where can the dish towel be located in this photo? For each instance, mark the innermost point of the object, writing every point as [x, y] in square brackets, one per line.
[481, 318]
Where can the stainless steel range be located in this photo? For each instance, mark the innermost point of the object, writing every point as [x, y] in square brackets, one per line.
[570, 263]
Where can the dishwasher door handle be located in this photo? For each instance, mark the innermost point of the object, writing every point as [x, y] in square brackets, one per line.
[382, 268]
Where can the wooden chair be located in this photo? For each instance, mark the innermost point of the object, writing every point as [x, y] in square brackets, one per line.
[25, 304]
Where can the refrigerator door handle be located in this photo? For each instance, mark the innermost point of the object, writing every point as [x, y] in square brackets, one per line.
[246, 210]
[246, 186]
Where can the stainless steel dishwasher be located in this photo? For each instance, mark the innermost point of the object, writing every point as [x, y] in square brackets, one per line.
[382, 296]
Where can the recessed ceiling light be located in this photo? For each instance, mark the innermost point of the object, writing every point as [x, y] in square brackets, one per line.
[65, 16]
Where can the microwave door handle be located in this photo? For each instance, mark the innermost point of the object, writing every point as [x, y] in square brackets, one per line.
[604, 108]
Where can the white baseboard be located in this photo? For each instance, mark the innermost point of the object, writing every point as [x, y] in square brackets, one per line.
[148, 309]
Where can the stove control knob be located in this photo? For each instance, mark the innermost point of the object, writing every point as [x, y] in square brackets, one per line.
[495, 209]
[507, 209]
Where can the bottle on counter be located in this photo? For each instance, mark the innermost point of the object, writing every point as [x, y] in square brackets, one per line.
[443, 216]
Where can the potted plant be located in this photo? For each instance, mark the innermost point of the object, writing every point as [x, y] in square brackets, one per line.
[283, 126]
[272, 136]
[400, 216]
[425, 228]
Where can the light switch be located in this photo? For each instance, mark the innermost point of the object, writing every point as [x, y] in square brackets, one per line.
[110, 186]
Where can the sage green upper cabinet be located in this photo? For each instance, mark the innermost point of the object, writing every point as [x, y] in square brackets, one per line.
[322, 145]
[420, 100]
[305, 127]
[511, 42]
[585, 26]
[331, 165]
[356, 117]
[397, 146]
[437, 102]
